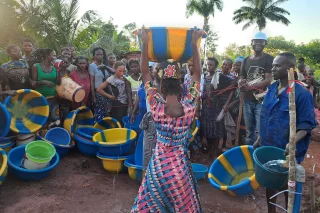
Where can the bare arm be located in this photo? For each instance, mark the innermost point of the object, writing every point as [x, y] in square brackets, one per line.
[229, 100]
[101, 91]
[263, 84]
[58, 78]
[144, 56]
[300, 135]
[197, 70]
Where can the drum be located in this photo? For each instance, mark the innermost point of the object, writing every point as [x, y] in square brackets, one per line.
[70, 90]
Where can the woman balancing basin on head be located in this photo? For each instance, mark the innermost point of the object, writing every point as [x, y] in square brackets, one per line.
[172, 119]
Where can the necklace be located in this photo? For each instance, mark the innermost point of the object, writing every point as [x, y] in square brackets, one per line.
[46, 70]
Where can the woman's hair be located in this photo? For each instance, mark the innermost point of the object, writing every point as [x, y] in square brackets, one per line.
[104, 59]
[39, 55]
[62, 57]
[133, 61]
[80, 57]
[171, 86]
[118, 64]
[10, 47]
[111, 54]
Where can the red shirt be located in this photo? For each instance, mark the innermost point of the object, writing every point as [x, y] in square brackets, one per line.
[85, 83]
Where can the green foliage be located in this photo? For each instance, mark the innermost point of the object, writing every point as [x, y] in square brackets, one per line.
[258, 11]
[204, 8]
[279, 44]
[233, 51]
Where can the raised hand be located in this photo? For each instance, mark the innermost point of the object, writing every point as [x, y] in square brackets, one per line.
[196, 34]
[143, 35]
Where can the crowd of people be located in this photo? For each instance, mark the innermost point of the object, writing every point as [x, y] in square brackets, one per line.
[165, 97]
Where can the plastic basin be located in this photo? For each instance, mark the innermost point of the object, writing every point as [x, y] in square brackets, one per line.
[134, 126]
[58, 136]
[200, 171]
[40, 151]
[233, 172]
[114, 164]
[81, 117]
[15, 157]
[85, 146]
[169, 43]
[107, 123]
[6, 144]
[62, 150]
[265, 177]
[115, 136]
[136, 172]
[3, 165]
[29, 111]
[4, 121]
[87, 132]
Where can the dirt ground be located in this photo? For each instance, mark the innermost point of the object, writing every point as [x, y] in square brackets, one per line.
[79, 184]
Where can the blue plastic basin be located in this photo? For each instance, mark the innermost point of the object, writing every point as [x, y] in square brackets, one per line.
[134, 126]
[58, 136]
[199, 171]
[85, 146]
[15, 157]
[87, 132]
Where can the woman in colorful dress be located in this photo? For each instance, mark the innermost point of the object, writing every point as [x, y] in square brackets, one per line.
[119, 92]
[169, 184]
[81, 77]
[98, 74]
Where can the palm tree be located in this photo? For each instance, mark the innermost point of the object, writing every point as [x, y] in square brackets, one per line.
[205, 8]
[258, 11]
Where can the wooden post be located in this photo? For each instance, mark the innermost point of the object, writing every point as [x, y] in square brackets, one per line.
[292, 142]
[239, 118]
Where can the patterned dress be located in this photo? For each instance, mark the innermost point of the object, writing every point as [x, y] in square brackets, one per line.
[169, 184]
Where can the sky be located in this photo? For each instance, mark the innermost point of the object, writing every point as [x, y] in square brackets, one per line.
[304, 17]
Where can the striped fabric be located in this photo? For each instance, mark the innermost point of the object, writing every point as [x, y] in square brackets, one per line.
[169, 184]
[29, 111]
[170, 43]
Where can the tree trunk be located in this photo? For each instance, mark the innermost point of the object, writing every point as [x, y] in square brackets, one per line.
[239, 118]
[205, 28]
[292, 143]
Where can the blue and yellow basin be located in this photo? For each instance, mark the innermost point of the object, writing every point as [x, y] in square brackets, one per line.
[3, 166]
[81, 117]
[107, 123]
[169, 43]
[136, 172]
[29, 111]
[233, 172]
[114, 164]
[4, 121]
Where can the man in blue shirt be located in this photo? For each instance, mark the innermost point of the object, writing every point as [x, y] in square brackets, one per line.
[274, 120]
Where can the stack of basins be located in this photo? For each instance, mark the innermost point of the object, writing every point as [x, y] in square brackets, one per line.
[135, 165]
[84, 135]
[115, 146]
[33, 161]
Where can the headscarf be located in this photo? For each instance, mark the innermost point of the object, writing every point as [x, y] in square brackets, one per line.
[239, 59]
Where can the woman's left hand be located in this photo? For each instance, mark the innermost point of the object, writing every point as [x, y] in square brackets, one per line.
[143, 35]
[225, 108]
[196, 34]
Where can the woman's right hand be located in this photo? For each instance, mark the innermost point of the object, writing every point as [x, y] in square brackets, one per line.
[49, 84]
[112, 97]
[143, 35]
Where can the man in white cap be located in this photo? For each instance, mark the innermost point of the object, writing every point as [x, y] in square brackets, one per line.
[255, 76]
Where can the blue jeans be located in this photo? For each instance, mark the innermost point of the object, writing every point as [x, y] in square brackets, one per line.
[251, 112]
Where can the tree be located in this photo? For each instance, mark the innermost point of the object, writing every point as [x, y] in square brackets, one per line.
[233, 51]
[204, 8]
[258, 11]
[278, 44]
[53, 23]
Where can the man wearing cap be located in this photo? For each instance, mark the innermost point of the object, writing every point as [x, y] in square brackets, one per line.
[255, 76]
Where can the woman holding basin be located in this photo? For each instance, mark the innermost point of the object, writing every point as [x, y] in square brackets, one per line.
[169, 174]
